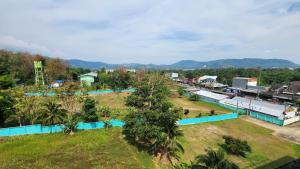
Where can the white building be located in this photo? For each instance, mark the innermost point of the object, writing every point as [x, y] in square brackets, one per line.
[266, 111]
[210, 96]
[207, 79]
[174, 75]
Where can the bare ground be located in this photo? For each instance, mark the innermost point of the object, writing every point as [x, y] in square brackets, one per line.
[290, 133]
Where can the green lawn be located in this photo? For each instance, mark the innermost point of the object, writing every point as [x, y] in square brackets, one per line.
[266, 147]
[106, 148]
[196, 107]
[87, 149]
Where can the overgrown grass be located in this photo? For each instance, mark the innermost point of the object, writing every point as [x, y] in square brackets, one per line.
[267, 149]
[87, 149]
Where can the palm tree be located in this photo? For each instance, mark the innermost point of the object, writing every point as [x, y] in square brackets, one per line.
[215, 160]
[71, 124]
[169, 146]
[52, 113]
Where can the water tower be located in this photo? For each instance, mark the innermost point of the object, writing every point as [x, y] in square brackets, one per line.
[38, 70]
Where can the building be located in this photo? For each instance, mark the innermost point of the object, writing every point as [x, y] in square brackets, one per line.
[112, 70]
[243, 82]
[109, 70]
[88, 78]
[207, 79]
[210, 96]
[174, 76]
[262, 110]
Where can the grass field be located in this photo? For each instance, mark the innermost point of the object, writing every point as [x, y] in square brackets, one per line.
[196, 107]
[114, 101]
[106, 148]
[87, 149]
[268, 151]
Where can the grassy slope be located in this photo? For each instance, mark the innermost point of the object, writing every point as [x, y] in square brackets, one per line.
[197, 107]
[87, 149]
[266, 147]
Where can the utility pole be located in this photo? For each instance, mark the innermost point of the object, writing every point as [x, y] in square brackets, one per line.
[258, 85]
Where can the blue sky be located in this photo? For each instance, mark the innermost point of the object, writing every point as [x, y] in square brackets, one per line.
[152, 31]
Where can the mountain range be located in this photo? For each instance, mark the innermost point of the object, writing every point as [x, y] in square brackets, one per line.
[192, 64]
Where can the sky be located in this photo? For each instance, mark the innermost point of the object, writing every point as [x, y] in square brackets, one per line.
[152, 31]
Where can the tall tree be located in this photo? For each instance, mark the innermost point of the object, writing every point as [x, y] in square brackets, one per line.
[56, 69]
[153, 124]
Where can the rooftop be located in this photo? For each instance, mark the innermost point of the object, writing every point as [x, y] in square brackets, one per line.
[211, 95]
[258, 105]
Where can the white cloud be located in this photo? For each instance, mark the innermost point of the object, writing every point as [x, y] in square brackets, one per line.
[11, 42]
[158, 31]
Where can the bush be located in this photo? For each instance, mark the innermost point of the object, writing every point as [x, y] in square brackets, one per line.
[180, 91]
[107, 124]
[199, 115]
[212, 112]
[89, 110]
[236, 146]
[186, 111]
[194, 97]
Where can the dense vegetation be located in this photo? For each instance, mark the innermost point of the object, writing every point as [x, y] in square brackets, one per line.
[152, 125]
[268, 76]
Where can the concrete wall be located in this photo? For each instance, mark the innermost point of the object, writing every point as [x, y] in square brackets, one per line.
[239, 83]
[291, 120]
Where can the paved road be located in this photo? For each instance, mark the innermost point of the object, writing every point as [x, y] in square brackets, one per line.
[290, 133]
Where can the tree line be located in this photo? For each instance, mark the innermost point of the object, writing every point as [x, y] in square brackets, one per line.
[268, 77]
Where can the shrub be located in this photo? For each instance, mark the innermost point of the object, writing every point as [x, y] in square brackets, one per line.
[194, 97]
[236, 146]
[89, 110]
[212, 112]
[186, 111]
[199, 115]
[180, 91]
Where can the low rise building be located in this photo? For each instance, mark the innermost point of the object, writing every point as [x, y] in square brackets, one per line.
[243, 82]
[263, 110]
[210, 96]
[207, 79]
[87, 79]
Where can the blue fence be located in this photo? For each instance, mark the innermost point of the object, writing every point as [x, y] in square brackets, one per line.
[39, 129]
[93, 92]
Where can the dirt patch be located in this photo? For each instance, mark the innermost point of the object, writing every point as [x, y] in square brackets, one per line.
[290, 133]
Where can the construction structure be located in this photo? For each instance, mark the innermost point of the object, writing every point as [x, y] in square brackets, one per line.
[38, 70]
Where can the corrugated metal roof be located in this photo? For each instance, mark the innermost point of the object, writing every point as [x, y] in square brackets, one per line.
[89, 74]
[256, 105]
[211, 95]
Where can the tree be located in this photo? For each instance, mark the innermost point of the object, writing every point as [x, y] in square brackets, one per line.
[6, 106]
[236, 146]
[71, 123]
[153, 124]
[52, 113]
[120, 79]
[56, 69]
[89, 110]
[215, 160]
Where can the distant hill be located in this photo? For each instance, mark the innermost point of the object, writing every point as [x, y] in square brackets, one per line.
[191, 64]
